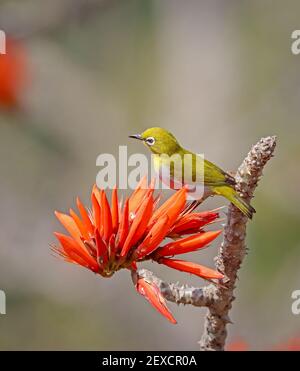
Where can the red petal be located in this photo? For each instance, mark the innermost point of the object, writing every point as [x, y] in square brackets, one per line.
[146, 212]
[188, 244]
[70, 225]
[96, 211]
[172, 207]
[84, 215]
[106, 217]
[153, 238]
[80, 225]
[139, 224]
[177, 206]
[73, 249]
[69, 256]
[115, 210]
[138, 195]
[124, 225]
[193, 221]
[155, 298]
[112, 247]
[97, 194]
[190, 267]
[101, 247]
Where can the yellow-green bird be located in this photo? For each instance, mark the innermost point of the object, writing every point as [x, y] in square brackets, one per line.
[189, 169]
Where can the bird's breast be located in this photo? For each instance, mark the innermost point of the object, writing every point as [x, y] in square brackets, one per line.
[174, 179]
[156, 163]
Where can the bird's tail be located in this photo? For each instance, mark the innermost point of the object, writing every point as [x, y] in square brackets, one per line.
[234, 198]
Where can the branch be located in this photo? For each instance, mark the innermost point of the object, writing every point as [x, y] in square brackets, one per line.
[181, 294]
[233, 248]
[218, 299]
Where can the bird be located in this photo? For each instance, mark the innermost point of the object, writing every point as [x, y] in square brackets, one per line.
[180, 167]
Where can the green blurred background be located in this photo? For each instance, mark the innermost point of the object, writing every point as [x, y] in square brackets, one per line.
[219, 75]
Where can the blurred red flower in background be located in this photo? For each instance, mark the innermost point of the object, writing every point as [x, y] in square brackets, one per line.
[239, 345]
[111, 237]
[13, 73]
[293, 344]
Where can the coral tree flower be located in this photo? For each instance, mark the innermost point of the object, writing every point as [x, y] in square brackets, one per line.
[112, 236]
[13, 74]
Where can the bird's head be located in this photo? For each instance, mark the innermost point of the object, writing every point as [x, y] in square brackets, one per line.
[158, 140]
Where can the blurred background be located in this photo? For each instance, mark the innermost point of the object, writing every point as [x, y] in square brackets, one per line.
[78, 77]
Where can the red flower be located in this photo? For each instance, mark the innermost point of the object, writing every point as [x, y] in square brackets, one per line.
[238, 345]
[13, 73]
[293, 344]
[111, 237]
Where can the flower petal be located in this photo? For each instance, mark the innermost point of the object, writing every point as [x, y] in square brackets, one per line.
[80, 225]
[97, 194]
[145, 214]
[192, 222]
[70, 256]
[172, 207]
[190, 267]
[115, 210]
[177, 206]
[124, 225]
[154, 237]
[101, 247]
[84, 215]
[155, 298]
[106, 217]
[96, 211]
[73, 249]
[112, 247]
[138, 195]
[70, 225]
[187, 244]
[139, 224]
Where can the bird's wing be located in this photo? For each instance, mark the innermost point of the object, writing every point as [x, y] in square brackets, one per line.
[189, 168]
[203, 171]
[214, 176]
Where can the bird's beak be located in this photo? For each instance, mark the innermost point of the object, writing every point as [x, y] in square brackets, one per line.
[136, 136]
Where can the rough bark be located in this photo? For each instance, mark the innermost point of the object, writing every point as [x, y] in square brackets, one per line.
[182, 294]
[233, 248]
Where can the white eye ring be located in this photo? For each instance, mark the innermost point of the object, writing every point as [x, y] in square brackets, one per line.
[150, 141]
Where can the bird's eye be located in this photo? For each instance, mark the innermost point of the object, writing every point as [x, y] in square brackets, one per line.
[150, 141]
